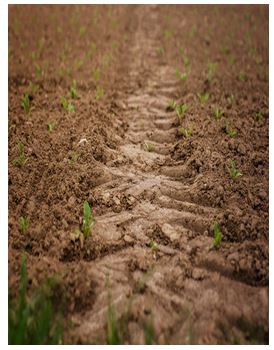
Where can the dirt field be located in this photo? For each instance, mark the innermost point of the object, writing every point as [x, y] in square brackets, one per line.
[163, 129]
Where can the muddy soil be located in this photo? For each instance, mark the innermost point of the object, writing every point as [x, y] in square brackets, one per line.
[155, 194]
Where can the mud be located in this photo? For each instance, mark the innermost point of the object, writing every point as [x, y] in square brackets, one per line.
[154, 194]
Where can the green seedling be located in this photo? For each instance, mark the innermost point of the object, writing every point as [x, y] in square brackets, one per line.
[172, 105]
[67, 105]
[231, 60]
[231, 99]
[113, 337]
[73, 157]
[34, 319]
[38, 70]
[242, 76]
[25, 103]
[82, 31]
[186, 132]
[73, 91]
[225, 50]
[168, 34]
[203, 97]
[180, 111]
[217, 112]
[184, 57]
[181, 75]
[149, 147]
[193, 32]
[33, 88]
[99, 93]
[50, 126]
[211, 71]
[233, 171]
[259, 116]
[153, 245]
[96, 74]
[23, 224]
[217, 236]
[88, 220]
[149, 332]
[160, 51]
[229, 131]
[21, 160]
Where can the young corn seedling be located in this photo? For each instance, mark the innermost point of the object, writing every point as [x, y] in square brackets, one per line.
[96, 74]
[38, 70]
[160, 51]
[172, 105]
[203, 98]
[50, 126]
[180, 111]
[259, 116]
[99, 93]
[217, 112]
[88, 220]
[242, 76]
[33, 88]
[73, 157]
[217, 236]
[186, 132]
[73, 91]
[229, 131]
[211, 71]
[233, 171]
[67, 105]
[25, 103]
[184, 57]
[23, 224]
[21, 160]
[181, 75]
[168, 34]
[149, 147]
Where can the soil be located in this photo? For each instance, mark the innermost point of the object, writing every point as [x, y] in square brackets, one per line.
[154, 194]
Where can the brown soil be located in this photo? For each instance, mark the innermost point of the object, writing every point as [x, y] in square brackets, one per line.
[170, 193]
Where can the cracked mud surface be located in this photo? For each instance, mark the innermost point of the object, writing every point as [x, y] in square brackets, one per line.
[154, 195]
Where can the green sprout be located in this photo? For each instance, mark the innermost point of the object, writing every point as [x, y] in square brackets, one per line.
[184, 57]
[96, 74]
[23, 224]
[180, 111]
[168, 34]
[160, 51]
[73, 157]
[50, 126]
[233, 171]
[32, 318]
[25, 103]
[113, 337]
[33, 88]
[181, 75]
[88, 220]
[211, 71]
[38, 70]
[153, 245]
[82, 31]
[242, 76]
[259, 116]
[217, 112]
[229, 131]
[172, 105]
[217, 236]
[67, 105]
[149, 147]
[99, 93]
[186, 132]
[203, 97]
[73, 91]
[21, 160]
